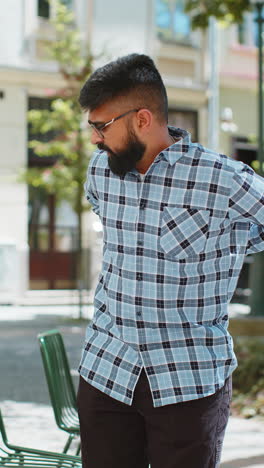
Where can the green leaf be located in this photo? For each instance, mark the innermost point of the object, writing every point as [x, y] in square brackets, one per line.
[226, 11]
[58, 132]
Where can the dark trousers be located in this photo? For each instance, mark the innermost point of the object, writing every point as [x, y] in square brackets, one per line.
[182, 435]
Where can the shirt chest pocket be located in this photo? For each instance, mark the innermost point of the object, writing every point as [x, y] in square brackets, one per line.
[183, 232]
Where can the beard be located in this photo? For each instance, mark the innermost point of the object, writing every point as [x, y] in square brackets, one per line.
[124, 160]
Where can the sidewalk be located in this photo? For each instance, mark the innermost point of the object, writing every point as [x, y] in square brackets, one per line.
[24, 399]
[33, 424]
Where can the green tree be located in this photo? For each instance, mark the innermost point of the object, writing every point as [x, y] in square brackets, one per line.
[229, 11]
[65, 122]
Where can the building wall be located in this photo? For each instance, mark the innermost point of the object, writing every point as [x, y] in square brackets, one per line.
[11, 31]
[238, 76]
[20, 76]
[122, 27]
[13, 195]
[244, 106]
[115, 28]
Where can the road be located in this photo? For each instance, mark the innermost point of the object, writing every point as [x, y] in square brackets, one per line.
[24, 398]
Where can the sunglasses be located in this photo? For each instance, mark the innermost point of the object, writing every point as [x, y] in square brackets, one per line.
[99, 127]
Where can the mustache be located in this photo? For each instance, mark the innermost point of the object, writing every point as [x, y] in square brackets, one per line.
[103, 147]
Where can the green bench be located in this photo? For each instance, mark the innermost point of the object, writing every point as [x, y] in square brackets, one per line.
[60, 384]
[12, 456]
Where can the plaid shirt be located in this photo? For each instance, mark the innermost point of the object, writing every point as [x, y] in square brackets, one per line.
[174, 246]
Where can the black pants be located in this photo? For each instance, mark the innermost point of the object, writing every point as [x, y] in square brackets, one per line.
[182, 435]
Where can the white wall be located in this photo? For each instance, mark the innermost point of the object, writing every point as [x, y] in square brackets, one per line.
[13, 195]
[11, 31]
[121, 27]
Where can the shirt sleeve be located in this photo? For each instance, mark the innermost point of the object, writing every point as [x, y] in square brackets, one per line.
[90, 189]
[256, 239]
[246, 204]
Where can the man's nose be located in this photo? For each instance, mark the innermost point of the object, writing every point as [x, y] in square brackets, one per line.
[95, 138]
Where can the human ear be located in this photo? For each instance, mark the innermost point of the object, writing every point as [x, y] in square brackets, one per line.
[144, 119]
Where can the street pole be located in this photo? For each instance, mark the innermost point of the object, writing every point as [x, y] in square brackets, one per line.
[213, 102]
[257, 267]
[259, 21]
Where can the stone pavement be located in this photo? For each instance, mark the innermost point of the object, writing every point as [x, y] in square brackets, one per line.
[24, 399]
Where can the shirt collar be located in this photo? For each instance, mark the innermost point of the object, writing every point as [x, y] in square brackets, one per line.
[176, 150]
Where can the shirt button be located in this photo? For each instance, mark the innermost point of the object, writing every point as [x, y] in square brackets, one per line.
[140, 243]
[143, 347]
[139, 313]
[139, 276]
[142, 205]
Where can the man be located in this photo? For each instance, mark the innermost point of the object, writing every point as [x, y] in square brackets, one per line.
[178, 220]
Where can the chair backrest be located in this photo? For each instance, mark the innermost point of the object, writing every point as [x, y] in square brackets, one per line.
[13, 456]
[60, 384]
[2, 429]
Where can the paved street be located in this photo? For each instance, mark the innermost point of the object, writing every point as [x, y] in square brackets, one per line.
[24, 398]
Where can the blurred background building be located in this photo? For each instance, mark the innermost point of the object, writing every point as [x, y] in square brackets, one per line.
[37, 236]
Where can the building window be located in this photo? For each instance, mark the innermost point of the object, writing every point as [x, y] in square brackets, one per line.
[172, 23]
[44, 7]
[241, 32]
[255, 29]
[185, 119]
[247, 31]
[67, 3]
[244, 150]
[33, 159]
[52, 224]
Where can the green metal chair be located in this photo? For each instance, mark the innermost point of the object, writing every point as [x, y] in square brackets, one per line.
[13, 456]
[60, 384]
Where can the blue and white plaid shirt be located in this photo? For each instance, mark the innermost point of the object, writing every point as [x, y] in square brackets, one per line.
[174, 246]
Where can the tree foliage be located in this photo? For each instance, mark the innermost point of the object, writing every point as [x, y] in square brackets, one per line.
[229, 11]
[65, 121]
[66, 138]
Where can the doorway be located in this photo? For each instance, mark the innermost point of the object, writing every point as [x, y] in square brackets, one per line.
[52, 226]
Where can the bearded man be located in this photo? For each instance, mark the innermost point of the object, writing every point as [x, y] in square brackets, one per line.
[178, 219]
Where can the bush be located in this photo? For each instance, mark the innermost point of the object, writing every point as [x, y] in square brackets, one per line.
[248, 378]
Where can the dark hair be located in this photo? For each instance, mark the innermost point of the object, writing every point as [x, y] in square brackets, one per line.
[134, 76]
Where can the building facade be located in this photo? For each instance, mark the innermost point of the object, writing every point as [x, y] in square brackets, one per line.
[154, 27]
